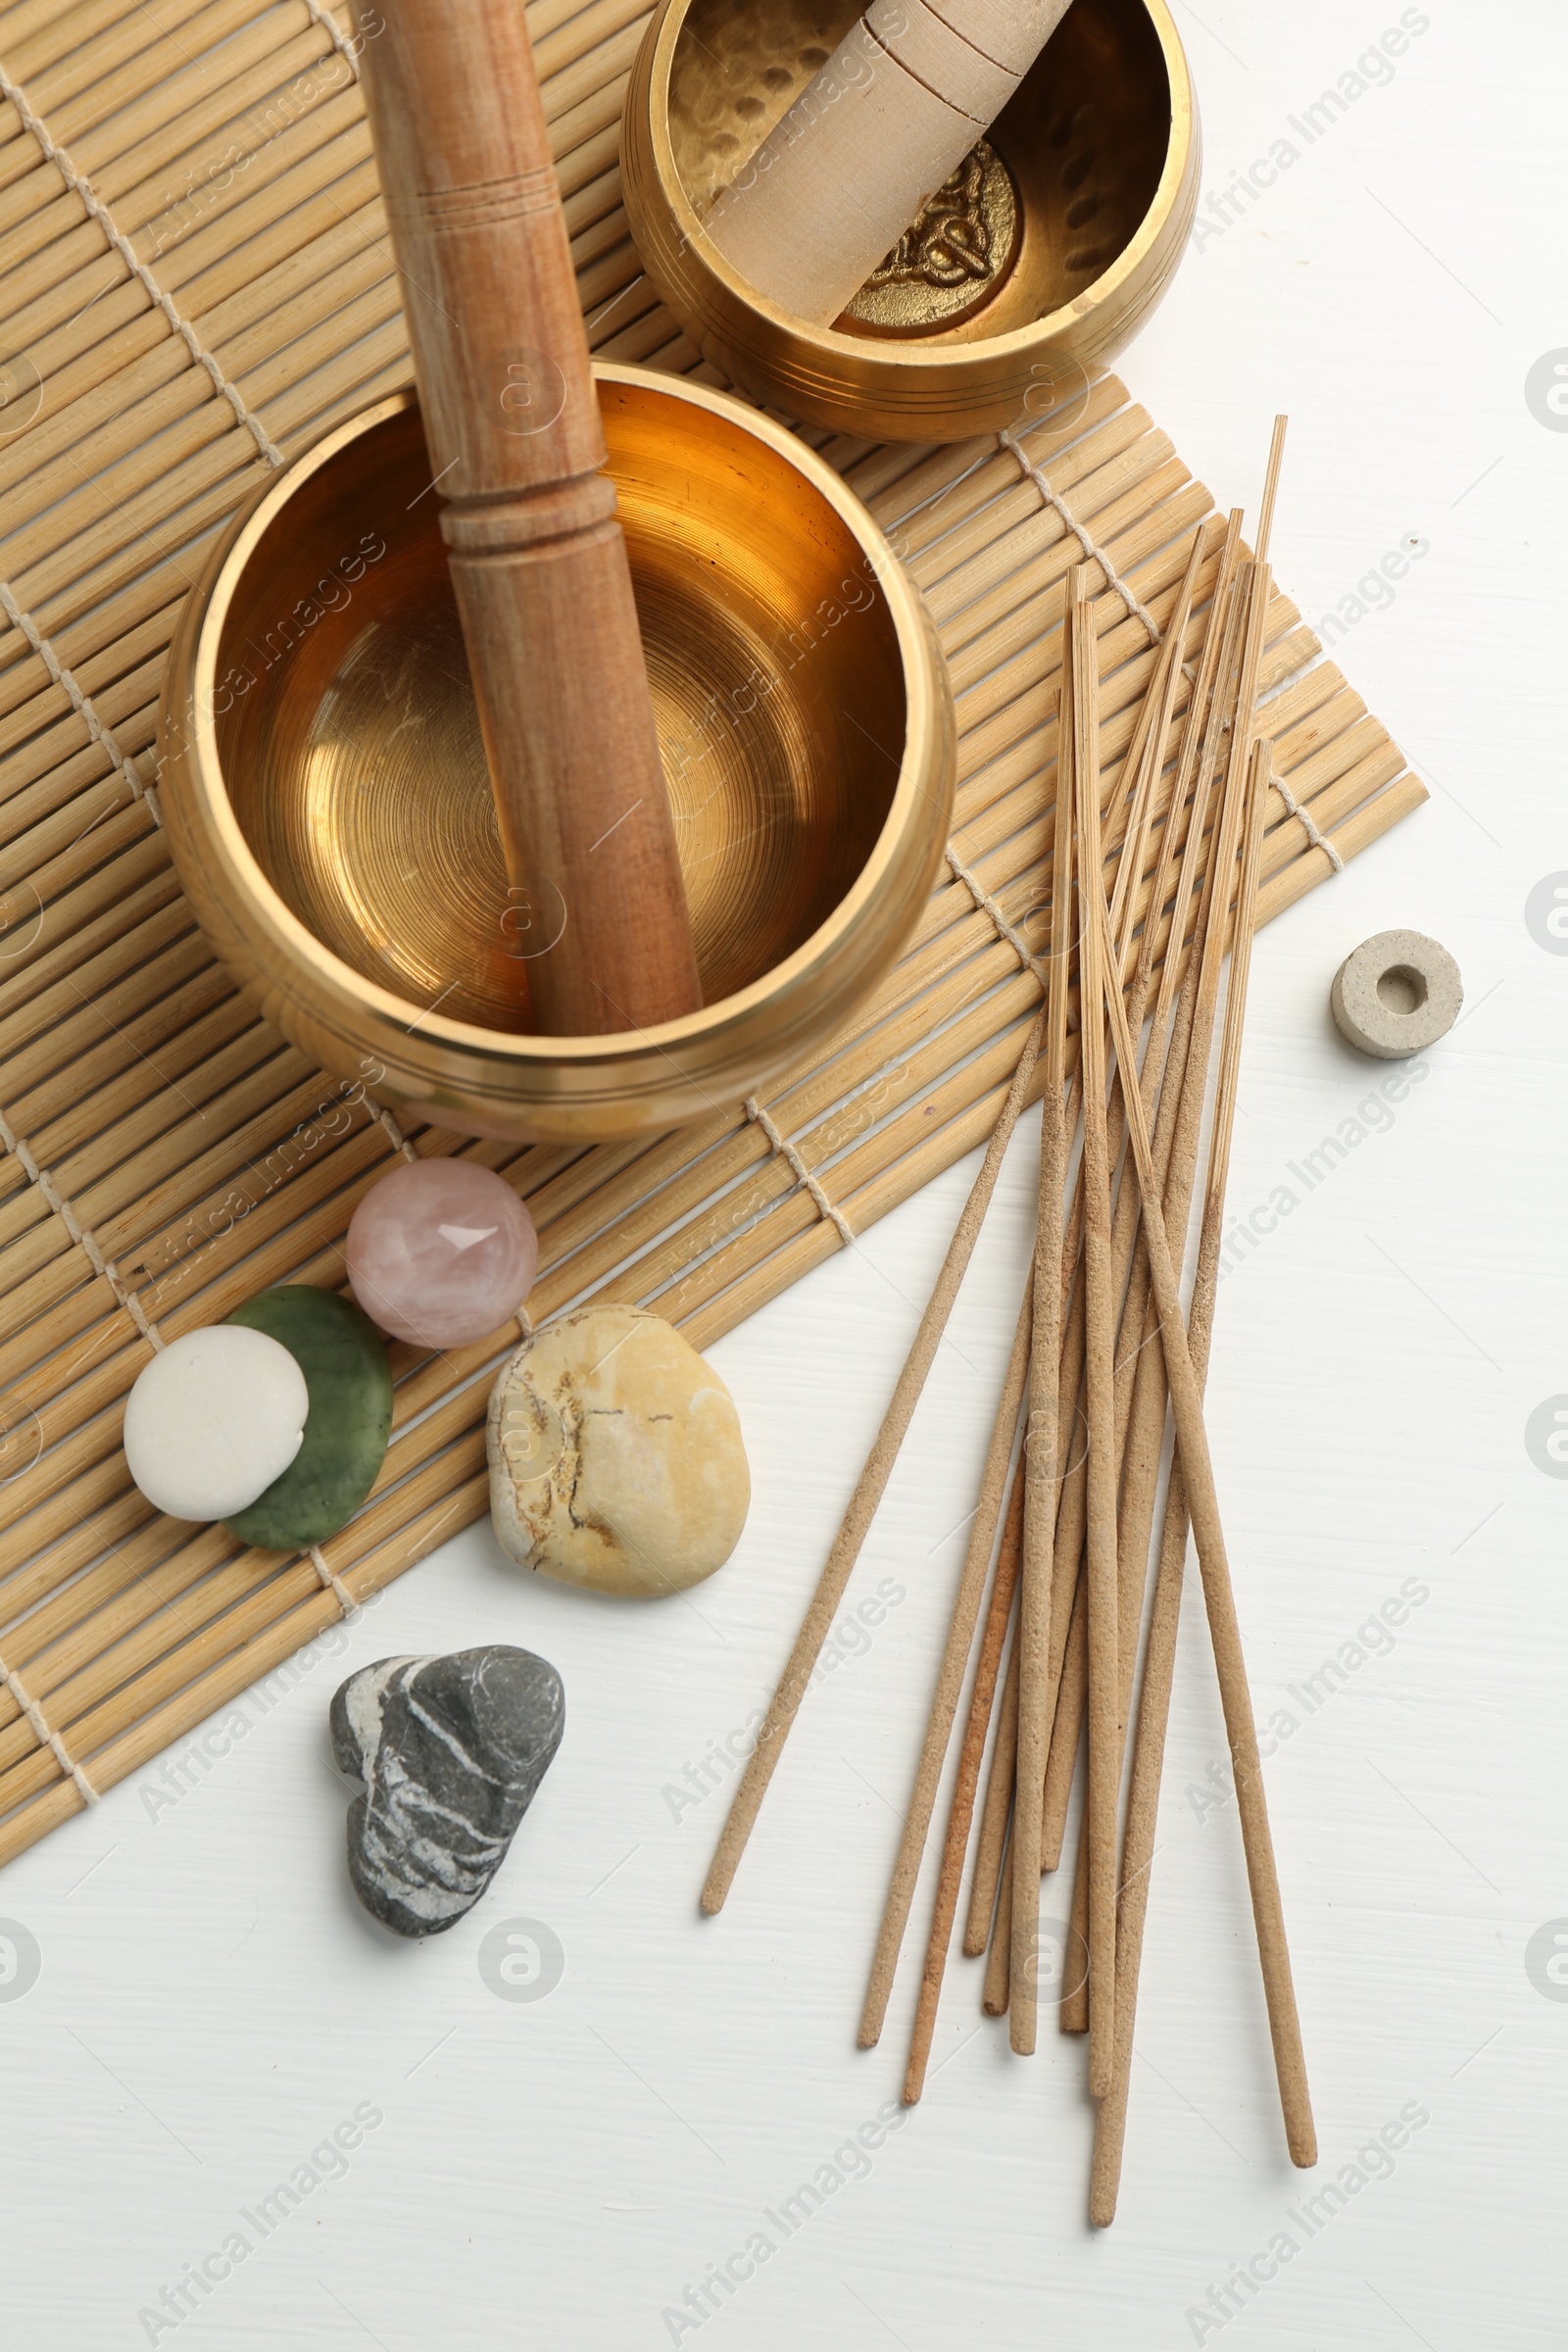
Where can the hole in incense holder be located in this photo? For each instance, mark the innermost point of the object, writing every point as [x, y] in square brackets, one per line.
[1403, 988]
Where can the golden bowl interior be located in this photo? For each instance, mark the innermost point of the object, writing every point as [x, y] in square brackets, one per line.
[1085, 139]
[348, 737]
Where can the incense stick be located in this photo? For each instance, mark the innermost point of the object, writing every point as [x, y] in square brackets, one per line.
[992, 1839]
[1141, 1389]
[997, 1989]
[1069, 1523]
[961, 1812]
[1042, 1455]
[1056, 1379]
[1230, 1659]
[950, 1679]
[1160, 1655]
[1205, 721]
[868, 1493]
[1096, 979]
[1271, 489]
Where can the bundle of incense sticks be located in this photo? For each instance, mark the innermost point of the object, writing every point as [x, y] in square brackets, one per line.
[1104, 1350]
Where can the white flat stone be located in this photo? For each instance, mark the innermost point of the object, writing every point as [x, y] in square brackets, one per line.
[212, 1420]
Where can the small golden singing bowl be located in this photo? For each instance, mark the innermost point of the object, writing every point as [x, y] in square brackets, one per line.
[329, 806]
[1099, 156]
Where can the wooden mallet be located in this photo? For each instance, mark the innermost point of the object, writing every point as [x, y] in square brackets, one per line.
[537, 556]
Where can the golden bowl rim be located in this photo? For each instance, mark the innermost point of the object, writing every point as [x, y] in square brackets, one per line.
[911, 357]
[925, 685]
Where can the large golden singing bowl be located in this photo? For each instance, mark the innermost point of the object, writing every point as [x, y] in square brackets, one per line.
[329, 810]
[1099, 156]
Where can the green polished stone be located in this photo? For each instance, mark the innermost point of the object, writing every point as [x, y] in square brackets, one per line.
[349, 1380]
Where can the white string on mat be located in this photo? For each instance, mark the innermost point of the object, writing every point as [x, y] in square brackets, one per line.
[1093, 553]
[1304, 817]
[45, 1736]
[332, 1582]
[148, 790]
[988, 905]
[321, 17]
[80, 702]
[98, 211]
[393, 1132]
[802, 1173]
[55, 1200]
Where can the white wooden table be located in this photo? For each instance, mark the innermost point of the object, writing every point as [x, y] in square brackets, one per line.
[212, 2016]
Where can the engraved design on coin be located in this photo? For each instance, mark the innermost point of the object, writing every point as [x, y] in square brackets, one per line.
[952, 261]
[951, 240]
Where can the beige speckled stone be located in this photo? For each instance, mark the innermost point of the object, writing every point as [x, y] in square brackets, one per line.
[615, 1455]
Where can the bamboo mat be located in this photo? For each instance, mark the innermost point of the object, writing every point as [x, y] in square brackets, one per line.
[194, 273]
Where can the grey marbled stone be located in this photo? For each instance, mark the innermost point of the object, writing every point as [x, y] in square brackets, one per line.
[450, 1750]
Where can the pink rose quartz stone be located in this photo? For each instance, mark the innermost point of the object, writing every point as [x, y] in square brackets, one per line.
[441, 1252]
